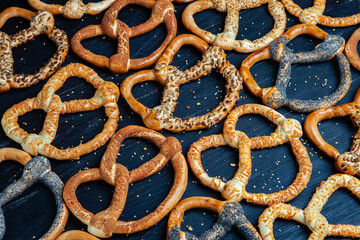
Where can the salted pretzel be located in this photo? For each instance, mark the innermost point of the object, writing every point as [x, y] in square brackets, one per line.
[161, 117]
[76, 235]
[347, 162]
[162, 11]
[311, 216]
[105, 223]
[276, 96]
[35, 169]
[314, 15]
[107, 94]
[288, 130]
[40, 23]
[351, 49]
[227, 39]
[230, 214]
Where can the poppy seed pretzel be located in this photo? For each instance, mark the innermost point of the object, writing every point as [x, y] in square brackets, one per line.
[351, 49]
[230, 214]
[106, 95]
[227, 39]
[40, 23]
[161, 117]
[105, 223]
[314, 15]
[311, 216]
[347, 162]
[37, 168]
[288, 130]
[162, 12]
[276, 96]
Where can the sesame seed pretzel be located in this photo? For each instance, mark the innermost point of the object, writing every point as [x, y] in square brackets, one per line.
[35, 169]
[227, 39]
[162, 11]
[351, 49]
[311, 216]
[107, 94]
[76, 235]
[347, 162]
[230, 214]
[314, 15]
[105, 223]
[276, 96]
[40, 23]
[288, 130]
[161, 117]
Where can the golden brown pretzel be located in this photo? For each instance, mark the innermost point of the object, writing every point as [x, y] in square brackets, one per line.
[276, 96]
[76, 235]
[311, 216]
[347, 162]
[230, 214]
[161, 117]
[162, 11]
[227, 39]
[105, 223]
[288, 130]
[314, 15]
[40, 23]
[106, 95]
[351, 49]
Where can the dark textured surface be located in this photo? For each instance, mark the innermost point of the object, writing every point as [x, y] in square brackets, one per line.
[31, 213]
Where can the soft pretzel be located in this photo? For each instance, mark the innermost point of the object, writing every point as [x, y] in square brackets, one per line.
[161, 117]
[107, 94]
[162, 11]
[230, 214]
[288, 130]
[311, 216]
[105, 223]
[35, 169]
[314, 15]
[276, 96]
[227, 39]
[351, 49]
[40, 23]
[76, 235]
[347, 162]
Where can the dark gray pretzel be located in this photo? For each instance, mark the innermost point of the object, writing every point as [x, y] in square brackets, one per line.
[275, 97]
[38, 168]
[230, 214]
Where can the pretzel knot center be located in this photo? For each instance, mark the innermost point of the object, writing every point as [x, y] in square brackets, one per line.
[348, 163]
[234, 190]
[310, 15]
[42, 21]
[273, 98]
[74, 9]
[289, 129]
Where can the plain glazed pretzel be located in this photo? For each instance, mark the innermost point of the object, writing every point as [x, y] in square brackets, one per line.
[351, 49]
[288, 130]
[107, 94]
[105, 223]
[311, 216]
[161, 117]
[40, 23]
[347, 162]
[227, 39]
[162, 11]
[314, 15]
[76, 235]
[230, 214]
[35, 169]
[276, 96]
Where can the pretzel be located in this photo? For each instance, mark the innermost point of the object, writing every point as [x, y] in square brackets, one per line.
[40, 23]
[288, 130]
[230, 214]
[314, 15]
[76, 235]
[227, 39]
[162, 11]
[351, 49]
[161, 117]
[276, 96]
[35, 169]
[347, 162]
[311, 216]
[107, 94]
[105, 223]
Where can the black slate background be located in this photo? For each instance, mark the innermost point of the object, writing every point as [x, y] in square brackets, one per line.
[30, 215]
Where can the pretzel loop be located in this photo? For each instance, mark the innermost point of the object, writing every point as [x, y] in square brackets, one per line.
[105, 223]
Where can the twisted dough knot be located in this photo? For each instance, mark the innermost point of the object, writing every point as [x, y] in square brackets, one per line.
[348, 162]
[273, 98]
[355, 116]
[74, 9]
[234, 190]
[311, 15]
[42, 21]
[220, 5]
[289, 129]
